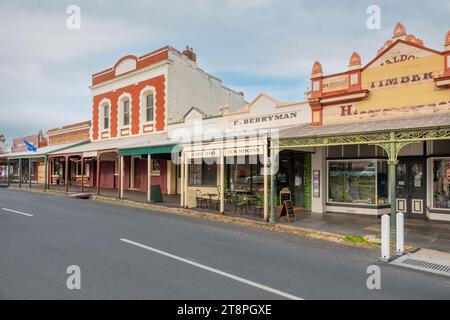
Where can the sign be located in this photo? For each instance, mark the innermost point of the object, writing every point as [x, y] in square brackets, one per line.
[287, 209]
[203, 154]
[285, 195]
[316, 183]
[265, 118]
[403, 80]
[243, 151]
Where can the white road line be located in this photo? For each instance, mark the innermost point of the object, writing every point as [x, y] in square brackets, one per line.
[18, 212]
[222, 273]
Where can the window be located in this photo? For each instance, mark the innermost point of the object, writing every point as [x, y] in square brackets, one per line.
[363, 182]
[204, 174]
[126, 113]
[156, 167]
[149, 108]
[441, 184]
[247, 176]
[106, 117]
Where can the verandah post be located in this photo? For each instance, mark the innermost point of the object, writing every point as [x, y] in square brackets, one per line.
[20, 172]
[29, 172]
[149, 178]
[45, 172]
[222, 182]
[7, 172]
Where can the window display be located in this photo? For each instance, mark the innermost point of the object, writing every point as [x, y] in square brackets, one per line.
[363, 182]
[441, 184]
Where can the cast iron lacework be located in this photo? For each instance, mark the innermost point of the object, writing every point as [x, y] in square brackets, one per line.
[383, 139]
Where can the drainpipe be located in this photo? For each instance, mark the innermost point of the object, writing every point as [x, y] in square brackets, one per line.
[273, 214]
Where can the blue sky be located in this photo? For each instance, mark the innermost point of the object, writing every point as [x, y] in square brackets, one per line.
[252, 45]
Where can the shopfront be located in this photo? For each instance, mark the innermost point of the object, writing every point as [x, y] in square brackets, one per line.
[381, 132]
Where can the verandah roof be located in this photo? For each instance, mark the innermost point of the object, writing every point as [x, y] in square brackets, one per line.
[399, 130]
[42, 152]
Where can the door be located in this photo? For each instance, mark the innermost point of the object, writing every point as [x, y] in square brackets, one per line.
[297, 180]
[137, 173]
[411, 187]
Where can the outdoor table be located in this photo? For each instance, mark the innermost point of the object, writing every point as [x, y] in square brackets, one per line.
[211, 195]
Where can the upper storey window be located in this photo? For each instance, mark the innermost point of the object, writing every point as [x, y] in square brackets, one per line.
[126, 112]
[149, 107]
[105, 117]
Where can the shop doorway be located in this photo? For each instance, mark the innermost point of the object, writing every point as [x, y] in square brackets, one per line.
[291, 175]
[411, 187]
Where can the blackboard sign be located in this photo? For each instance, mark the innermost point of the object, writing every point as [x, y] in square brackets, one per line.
[285, 195]
[287, 209]
[156, 194]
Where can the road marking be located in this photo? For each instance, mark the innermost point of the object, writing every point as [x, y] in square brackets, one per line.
[222, 273]
[18, 212]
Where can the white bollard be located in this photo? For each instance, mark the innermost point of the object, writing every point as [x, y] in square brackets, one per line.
[385, 237]
[400, 233]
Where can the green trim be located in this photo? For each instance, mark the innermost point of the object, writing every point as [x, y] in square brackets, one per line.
[308, 181]
[174, 148]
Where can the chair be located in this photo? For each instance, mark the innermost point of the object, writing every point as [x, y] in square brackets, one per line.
[200, 200]
[215, 201]
[258, 207]
[241, 203]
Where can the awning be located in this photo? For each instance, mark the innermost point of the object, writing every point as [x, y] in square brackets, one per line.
[157, 148]
[93, 148]
[44, 151]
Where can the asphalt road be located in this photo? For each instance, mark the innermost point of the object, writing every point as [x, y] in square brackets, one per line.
[127, 253]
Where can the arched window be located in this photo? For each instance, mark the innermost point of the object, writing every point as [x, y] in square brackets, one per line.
[149, 107]
[147, 101]
[126, 113]
[124, 104]
[104, 118]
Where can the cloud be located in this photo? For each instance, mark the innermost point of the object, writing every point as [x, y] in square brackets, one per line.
[253, 45]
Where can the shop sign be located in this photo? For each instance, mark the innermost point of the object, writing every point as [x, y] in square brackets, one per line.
[265, 119]
[203, 154]
[404, 80]
[243, 151]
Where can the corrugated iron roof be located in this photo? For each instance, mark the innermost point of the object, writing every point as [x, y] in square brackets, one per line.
[434, 121]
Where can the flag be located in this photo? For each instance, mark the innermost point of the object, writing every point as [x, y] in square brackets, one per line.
[30, 147]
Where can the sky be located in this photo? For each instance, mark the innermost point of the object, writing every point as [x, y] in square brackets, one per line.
[252, 45]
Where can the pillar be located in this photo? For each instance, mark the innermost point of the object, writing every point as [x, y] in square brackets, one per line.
[222, 182]
[97, 178]
[393, 192]
[121, 176]
[20, 173]
[29, 172]
[66, 173]
[182, 180]
[266, 176]
[149, 178]
[82, 174]
[45, 172]
[273, 193]
[186, 178]
[7, 172]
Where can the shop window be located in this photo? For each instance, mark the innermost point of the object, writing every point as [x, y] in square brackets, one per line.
[247, 176]
[441, 184]
[362, 182]
[203, 174]
[156, 167]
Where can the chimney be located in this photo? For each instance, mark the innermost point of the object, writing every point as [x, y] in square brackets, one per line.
[189, 53]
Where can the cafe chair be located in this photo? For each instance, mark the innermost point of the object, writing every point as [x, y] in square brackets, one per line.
[258, 207]
[201, 201]
[240, 203]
